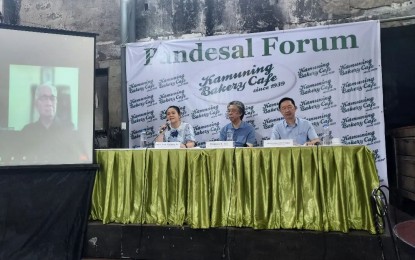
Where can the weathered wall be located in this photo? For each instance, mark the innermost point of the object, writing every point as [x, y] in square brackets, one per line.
[166, 19]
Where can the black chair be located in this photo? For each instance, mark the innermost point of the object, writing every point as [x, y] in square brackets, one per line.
[380, 209]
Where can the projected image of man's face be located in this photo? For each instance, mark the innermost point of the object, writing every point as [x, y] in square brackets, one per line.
[46, 101]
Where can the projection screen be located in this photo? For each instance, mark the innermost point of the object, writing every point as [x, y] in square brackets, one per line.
[46, 96]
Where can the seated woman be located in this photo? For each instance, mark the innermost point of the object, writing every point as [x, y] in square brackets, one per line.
[176, 130]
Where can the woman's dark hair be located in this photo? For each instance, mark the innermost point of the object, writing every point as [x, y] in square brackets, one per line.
[175, 108]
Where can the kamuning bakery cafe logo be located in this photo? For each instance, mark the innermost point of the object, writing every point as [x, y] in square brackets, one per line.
[183, 111]
[209, 112]
[146, 101]
[377, 156]
[250, 111]
[176, 81]
[367, 120]
[147, 116]
[137, 132]
[365, 104]
[367, 138]
[176, 96]
[318, 87]
[270, 108]
[312, 71]
[323, 102]
[363, 66]
[211, 128]
[258, 82]
[366, 84]
[269, 122]
[324, 119]
[147, 85]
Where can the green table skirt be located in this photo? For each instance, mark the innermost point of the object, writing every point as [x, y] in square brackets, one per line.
[313, 188]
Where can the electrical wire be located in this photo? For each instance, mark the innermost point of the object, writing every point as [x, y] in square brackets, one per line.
[143, 200]
[226, 251]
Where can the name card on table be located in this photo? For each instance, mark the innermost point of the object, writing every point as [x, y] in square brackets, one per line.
[279, 143]
[167, 145]
[220, 144]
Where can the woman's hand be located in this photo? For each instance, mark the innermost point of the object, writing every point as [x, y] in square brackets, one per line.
[163, 128]
[189, 144]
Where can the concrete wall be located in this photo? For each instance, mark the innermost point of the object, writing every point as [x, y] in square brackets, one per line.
[168, 19]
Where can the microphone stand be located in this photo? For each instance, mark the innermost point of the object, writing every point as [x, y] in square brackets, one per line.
[154, 140]
[164, 130]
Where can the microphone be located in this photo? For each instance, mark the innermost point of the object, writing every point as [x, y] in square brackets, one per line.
[166, 126]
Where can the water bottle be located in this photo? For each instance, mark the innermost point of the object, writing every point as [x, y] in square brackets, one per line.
[229, 135]
[143, 139]
[326, 135]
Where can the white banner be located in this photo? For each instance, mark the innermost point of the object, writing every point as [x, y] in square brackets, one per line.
[332, 72]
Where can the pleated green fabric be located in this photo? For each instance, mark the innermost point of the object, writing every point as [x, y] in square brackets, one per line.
[314, 188]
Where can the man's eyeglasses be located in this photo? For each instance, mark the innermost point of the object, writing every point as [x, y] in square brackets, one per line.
[287, 108]
[232, 111]
[46, 98]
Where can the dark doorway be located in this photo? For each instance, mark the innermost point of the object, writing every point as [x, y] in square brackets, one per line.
[398, 73]
[398, 62]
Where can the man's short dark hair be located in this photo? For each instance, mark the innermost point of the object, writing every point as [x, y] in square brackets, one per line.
[286, 99]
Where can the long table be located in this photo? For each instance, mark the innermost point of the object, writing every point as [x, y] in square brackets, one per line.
[324, 188]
